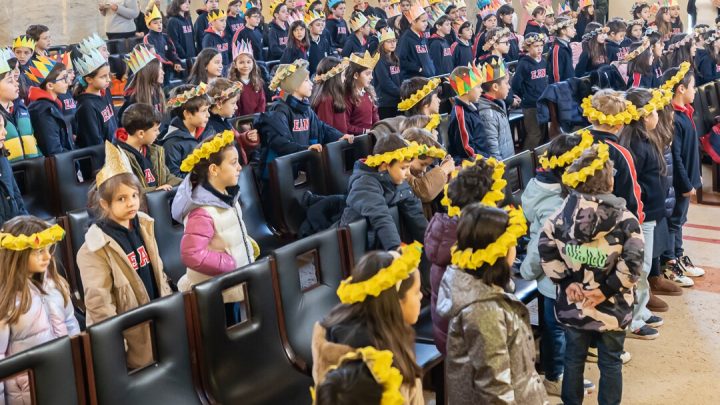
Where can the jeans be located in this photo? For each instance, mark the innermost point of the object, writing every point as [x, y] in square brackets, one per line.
[552, 345]
[610, 347]
[642, 289]
[675, 224]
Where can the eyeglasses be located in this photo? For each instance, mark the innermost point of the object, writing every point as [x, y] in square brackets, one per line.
[64, 78]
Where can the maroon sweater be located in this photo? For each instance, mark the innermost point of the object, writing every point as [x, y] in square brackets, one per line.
[250, 101]
[361, 116]
[326, 112]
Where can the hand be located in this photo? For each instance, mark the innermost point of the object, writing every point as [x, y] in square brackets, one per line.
[447, 166]
[516, 101]
[252, 135]
[593, 298]
[114, 7]
[165, 187]
[178, 67]
[690, 193]
[348, 138]
[574, 293]
[317, 147]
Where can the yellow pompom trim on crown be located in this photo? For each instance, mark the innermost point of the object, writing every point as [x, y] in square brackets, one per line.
[568, 157]
[407, 153]
[661, 98]
[492, 197]
[380, 364]
[415, 98]
[38, 240]
[469, 259]
[623, 118]
[206, 149]
[673, 81]
[255, 248]
[434, 122]
[431, 151]
[581, 176]
[388, 277]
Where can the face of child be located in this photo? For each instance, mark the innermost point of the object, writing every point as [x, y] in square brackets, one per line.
[45, 41]
[281, 13]
[506, 18]
[503, 45]
[199, 118]
[156, 25]
[570, 31]
[161, 75]
[244, 64]
[675, 11]
[657, 49]
[124, 205]
[365, 30]
[390, 45]
[23, 54]
[317, 27]
[3, 131]
[398, 171]
[636, 31]
[651, 121]
[645, 13]
[445, 28]
[420, 165]
[420, 24]
[234, 9]
[218, 25]
[689, 95]
[227, 173]
[434, 104]
[549, 20]
[228, 108]
[666, 17]
[591, 10]
[102, 79]
[9, 88]
[539, 17]
[474, 94]
[299, 33]
[535, 50]
[404, 5]
[462, 13]
[453, 15]
[466, 34]
[215, 67]
[384, 3]
[305, 89]
[339, 11]
[39, 259]
[149, 135]
[410, 303]
[601, 38]
[212, 4]
[490, 23]
[185, 7]
[617, 37]
[61, 83]
[502, 89]
[693, 49]
[364, 78]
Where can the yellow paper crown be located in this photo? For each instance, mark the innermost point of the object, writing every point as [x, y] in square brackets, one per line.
[586, 141]
[184, 97]
[275, 4]
[38, 240]
[366, 60]
[492, 197]
[205, 149]
[24, 41]
[154, 14]
[625, 117]
[334, 71]
[576, 178]
[415, 98]
[379, 362]
[312, 16]
[385, 278]
[216, 15]
[139, 58]
[388, 35]
[116, 162]
[661, 98]
[677, 77]
[407, 153]
[357, 21]
[433, 123]
[470, 259]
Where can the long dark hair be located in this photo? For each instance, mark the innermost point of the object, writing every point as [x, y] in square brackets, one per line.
[505, 9]
[595, 50]
[198, 73]
[391, 57]
[636, 131]
[665, 28]
[332, 87]
[145, 87]
[381, 317]
[200, 171]
[350, 90]
[681, 54]
[292, 42]
[641, 64]
[173, 9]
[710, 47]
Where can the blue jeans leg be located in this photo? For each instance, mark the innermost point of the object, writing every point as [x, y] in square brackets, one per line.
[610, 347]
[675, 224]
[552, 345]
[576, 347]
[642, 289]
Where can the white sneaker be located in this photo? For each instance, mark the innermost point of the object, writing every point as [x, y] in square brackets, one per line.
[592, 356]
[553, 387]
[625, 357]
[674, 273]
[689, 268]
[589, 386]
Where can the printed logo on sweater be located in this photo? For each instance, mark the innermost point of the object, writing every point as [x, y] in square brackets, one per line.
[341, 30]
[283, 40]
[149, 176]
[421, 48]
[538, 74]
[447, 52]
[107, 113]
[69, 104]
[300, 125]
[144, 258]
[236, 27]
[222, 47]
[586, 255]
[187, 29]
[394, 70]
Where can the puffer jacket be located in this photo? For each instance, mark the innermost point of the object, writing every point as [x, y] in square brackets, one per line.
[670, 199]
[496, 133]
[490, 347]
[113, 287]
[440, 236]
[216, 240]
[48, 318]
[595, 241]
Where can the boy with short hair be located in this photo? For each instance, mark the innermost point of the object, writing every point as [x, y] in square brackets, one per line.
[251, 33]
[464, 127]
[277, 30]
[462, 49]
[440, 50]
[495, 134]
[164, 47]
[215, 36]
[560, 62]
[357, 42]
[613, 44]
[201, 23]
[41, 35]
[23, 48]
[529, 82]
[320, 46]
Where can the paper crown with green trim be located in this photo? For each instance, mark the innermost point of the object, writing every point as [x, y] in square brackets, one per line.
[462, 81]
[89, 62]
[216, 15]
[23, 41]
[153, 14]
[4, 65]
[92, 42]
[357, 21]
[493, 71]
[312, 16]
[39, 69]
[139, 58]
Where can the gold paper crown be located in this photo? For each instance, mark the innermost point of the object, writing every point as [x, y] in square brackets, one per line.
[153, 14]
[379, 362]
[416, 97]
[366, 60]
[581, 176]
[414, 12]
[275, 4]
[492, 197]
[409, 152]
[216, 15]
[139, 58]
[312, 16]
[40, 67]
[24, 41]
[339, 68]
[116, 162]
[205, 149]
[532, 5]
[285, 71]
[624, 117]
[386, 278]
[228, 93]
[357, 21]
[489, 42]
[388, 35]
[554, 162]
[183, 98]
[38, 240]
[644, 45]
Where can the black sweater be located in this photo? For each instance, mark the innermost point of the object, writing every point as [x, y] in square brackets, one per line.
[652, 184]
[615, 51]
[337, 31]
[180, 31]
[685, 150]
[95, 120]
[441, 55]
[414, 56]
[277, 41]
[353, 44]
[462, 53]
[530, 80]
[164, 47]
[318, 51]
[254, 37]
[706, 69]
[220, 43]
[51, 130]
[386, 80]
[560, 63]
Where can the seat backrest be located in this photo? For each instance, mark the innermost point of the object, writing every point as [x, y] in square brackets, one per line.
[77, 223]
[55, 378]
[443, 136]
[519, 169]
[712, 105]
[287, 187]
[168, 232]
[700, 104]
[72, 193]
[168, 380]
[315, 263]
[253, 215]
[32, 180]
[228, 357]
[354, 240]
[340, 158]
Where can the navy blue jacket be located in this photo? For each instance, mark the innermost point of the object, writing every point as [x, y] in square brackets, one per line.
[180, 31]
[386, 80]
[337, 31]
[201, 24]
[685, 149]
[69, 109]
[353, 45]
[292, 53]
[373, 43]
[277, 41]
[652, 183]
[615, 51]
[371, 195]
[254, 37]
[560, 62]
[514, 52]
[178, 144]
[706, 69]
[11, 201]
[530, 80]
[668, 182]
[562, 94]
[318, 51]
[637, 79]
[412, 51]
[220, 43]
[164, 47]
[234, 24]
[462, 54]
[95, 119]
[51, 130]
[441, 55]
[465, 131]
[586, 66]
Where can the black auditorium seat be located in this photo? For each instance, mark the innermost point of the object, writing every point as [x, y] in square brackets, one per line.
[32, 180]
[64, 167]
[77, 225]
[168, 233]
[253, 215]
[340, 157]
[519, 169]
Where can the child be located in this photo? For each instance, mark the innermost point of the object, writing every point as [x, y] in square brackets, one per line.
[681, 48]
[427, 184]
[377, 184]
[529, 82]
[335, 24]
[686, 173]
[35, 299]
[19, 141]
[657, 47]
[215, 240]
[487, 20]
[41, 35]
[235, 20]
[505, 20]
[51, 77]
[246, 71]
[361, 112]
[490, 346]
[189, 109]
[377, 27]
[319, 44]
[675, 20]
[462, 50]
[383, 320]
[640, 10]
[496, 44]
[640, 62]
[634, 32]
[24, 48]
[251, 34]
[201, 23]
[495, 131]
[707, 57]
[560, 63]
[225, 95]
[119, 262]
[328, 96]
[595, 271]
[164, 47]
[614, 47]
[10, 193]
[145, 86]
[440, 51]
[208, 67]
[593, 54]
[278, 30]
[419, 96]
[536, 25]
[586, 15]
[95, 114]
[180, 30]
[464, 127]
[215, 36]
[298, 46]
[663, 23]
[412, 48]
[136, 137]
[386, 76]
[357, 42]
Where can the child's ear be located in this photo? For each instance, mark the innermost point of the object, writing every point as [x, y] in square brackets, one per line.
[104, 205]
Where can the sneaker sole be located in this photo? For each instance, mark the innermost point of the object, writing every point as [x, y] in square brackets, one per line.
[655, 325]
[668, 293]
[656, 309]
[643, 337]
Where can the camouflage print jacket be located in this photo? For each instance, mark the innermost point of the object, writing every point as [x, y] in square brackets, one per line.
[593, 240]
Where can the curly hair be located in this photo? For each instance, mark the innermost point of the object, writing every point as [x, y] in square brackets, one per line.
[471, 184]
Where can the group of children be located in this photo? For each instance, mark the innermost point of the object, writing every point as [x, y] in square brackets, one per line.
[633, 173]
